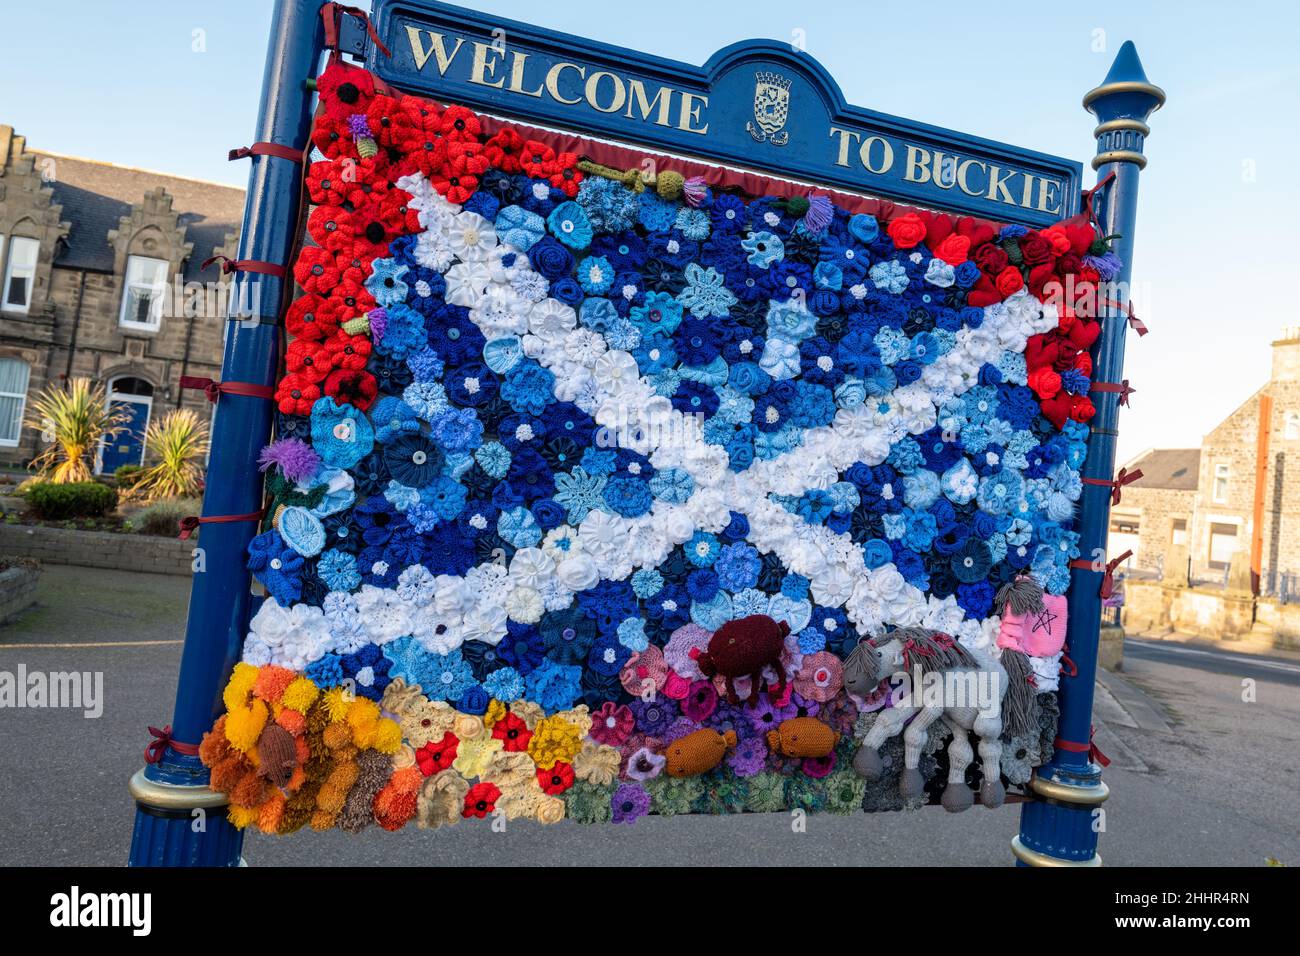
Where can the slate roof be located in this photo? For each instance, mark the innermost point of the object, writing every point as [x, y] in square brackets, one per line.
[1175, 469]
[95, 196]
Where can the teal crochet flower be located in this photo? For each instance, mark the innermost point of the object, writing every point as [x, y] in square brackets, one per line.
[519, 528]
[493, 458]
[570, 225]
[660, 313]
[385, 282]
[764, 248]
[341, 434]
[519, 227]
[579, 493]
[529, 388]
[705, 295]
[338, 571]
[595, 275]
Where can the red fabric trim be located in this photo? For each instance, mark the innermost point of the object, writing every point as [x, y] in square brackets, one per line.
[214, 390]
[267, 149]
[229, 265]
[190, 524]
[162, 739]
[1122, 389]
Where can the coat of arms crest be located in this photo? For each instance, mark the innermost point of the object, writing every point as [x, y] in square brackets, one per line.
[771, 108]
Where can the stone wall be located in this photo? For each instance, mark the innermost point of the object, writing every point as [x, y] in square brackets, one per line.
[1216, 613]
[97, 549]
[1156, 509]
[17, 591]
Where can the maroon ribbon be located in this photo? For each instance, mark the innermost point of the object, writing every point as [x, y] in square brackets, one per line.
[190, 524]
[214, 390]
[267, 149]
[333, 13]
[229, 265]
[1136, 324]
[1090, 748]
[1123, 389]
[162, 739]
[1107, 581]
[1090, 194]
[1125, 477]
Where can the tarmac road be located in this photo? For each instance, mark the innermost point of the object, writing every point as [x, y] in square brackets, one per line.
[1200, 776]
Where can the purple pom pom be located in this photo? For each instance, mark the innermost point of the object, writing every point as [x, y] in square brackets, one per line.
[296, 460]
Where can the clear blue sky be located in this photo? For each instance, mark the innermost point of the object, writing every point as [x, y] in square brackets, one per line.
[1216, 244]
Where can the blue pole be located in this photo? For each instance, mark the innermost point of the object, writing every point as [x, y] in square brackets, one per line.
[179, 821]
[1058, 828]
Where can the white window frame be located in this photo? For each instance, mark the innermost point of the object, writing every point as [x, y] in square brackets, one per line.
[160, 288]
[5, 304]
[1222, 473]
[22, 404]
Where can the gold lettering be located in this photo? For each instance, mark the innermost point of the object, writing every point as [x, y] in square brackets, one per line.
[663, 100]
[962, 169]
[1046, 189]
[689, 113]
[482, 69]
[918, 165]
[437, 47]
[592, 89]
[886, 155]
[553, 81]
[843, 156]
[517, 61]
[998, 185]
[1028, 191]
[945, 169]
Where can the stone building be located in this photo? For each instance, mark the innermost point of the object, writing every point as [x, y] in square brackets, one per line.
[101, 279]
[1237, 475]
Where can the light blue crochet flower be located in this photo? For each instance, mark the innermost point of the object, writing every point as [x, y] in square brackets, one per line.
[960, 483]
[623, 335]
[705, 295]
[796, 612]
[301, 530]
[780, 359]
[827, 275]
[392, 417]
[940, 273]
[750, 601]
[714, 613]
[504, 684]
[447, 498]
[673, 485]
[519, 227]
[999, 494]
[610, 205]
[894, 345]
[655, 213]
[519, 528]
[595, 275]
[764, 248]
[440, 676]
[341, 434]
[385, 283]
[864, 228]
[921, 489]
[428, 399]
[401, 496]
[632, 635]
[338, 571]
[403, 332]
[1013, 368]
[659, 313]
[597, 314]
[493, 458]
[844, 497]
[647, 582]
[890, 276]
[692, 223]
[501, 355]
[786, 320]
[734, 407]
[570, 225]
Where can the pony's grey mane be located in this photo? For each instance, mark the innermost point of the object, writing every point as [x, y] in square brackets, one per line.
[929, 654]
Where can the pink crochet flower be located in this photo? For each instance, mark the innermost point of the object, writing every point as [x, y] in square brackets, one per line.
[687, 638]
[646, 665]
[700, 703]
[820, 678]
[612, 724]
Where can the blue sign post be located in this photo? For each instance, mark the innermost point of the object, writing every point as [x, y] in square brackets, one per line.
[759, 105]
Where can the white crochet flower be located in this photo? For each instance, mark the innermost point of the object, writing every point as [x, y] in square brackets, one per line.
[488, 583]
[466, 281]
[500, 312]
[562, 542]
[485, 622]
[433, 251]
[525, 606]
[436, 632]
[472, 237]
[577, 572]
[550, 319]
[614, 372]
[452, 595]
[531, 567]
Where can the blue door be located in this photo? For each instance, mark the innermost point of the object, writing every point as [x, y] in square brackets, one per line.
[127, 446]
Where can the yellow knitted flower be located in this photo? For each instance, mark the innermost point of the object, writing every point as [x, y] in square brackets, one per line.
[496, 710]
[337, 703]
[467, 727]
[426, 721]
[240, 689]
[474, 756]
[549, 810]
[241, 817]
[554, 739]
[528, 712]
[511, 770]
[580, 717]
[520, 802]
[300, 695]
[244, 723]
[596, 763]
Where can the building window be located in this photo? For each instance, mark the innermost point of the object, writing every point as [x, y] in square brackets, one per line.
[1223, 544]
[13, 400]
[1292, 428]
[1220, 489]
[142, 299]
[20, 274]
[1178, 532]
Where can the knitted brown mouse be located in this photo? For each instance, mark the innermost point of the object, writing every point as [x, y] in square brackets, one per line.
[743, 648]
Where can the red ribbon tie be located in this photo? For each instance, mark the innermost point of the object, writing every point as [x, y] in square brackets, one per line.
[214, 390]
[229, 265]
[266, 149]
[1122, 389]
[1125, 477]
[162, 739]
[1090, 748]
[190, 524]
[333, 13]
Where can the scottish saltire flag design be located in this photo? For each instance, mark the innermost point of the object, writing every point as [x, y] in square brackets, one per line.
[542, 434]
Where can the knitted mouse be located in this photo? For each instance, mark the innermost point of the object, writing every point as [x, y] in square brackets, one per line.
[744, 647]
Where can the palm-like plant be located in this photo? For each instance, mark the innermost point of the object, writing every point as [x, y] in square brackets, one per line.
[72, 423]
[177, 444]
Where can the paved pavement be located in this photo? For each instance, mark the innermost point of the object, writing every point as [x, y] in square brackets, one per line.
[1199, 775]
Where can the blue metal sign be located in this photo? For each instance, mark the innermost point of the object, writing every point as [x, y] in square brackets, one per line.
[758, 104]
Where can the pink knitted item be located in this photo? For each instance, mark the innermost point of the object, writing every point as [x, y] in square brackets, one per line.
[1038, 633]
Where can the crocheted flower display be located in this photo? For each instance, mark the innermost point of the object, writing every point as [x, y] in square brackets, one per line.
[541, 433]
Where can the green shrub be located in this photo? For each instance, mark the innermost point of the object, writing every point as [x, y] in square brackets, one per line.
[161, 517]
[127, 475]
[77, 499]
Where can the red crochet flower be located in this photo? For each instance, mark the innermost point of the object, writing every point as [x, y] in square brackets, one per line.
[460, 125]
[1045, 382]
[316, 270]
[424, 151]
[556, 780]
[504, 149]
[954, 249]
[357, 388]
[425, 114]
[513, 732]
[310, 361]
[991, 258]
[344, 89]
[327, 221]
[457, 179]
[295, 395]
[313, 317]
[349, 352]
[481, 800]
[437, 757]
[352, 296]
[389, 123]
[1009, 281]
[333, 138]
[326, 184]
[907, 230]
[566, 176]
[536, 159]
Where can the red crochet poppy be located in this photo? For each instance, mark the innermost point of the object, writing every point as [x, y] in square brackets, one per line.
[556, 780]
[313, 317]
[326, 182]
[460, 125]
[423, 150]
[325, 221]
[566, 176]
[457, 178]
[348, 352]
[536, 159]
[389, 123]
[512, 732]
[333, 138]
[357, 388]
[316, 271]
[309, 360]
[437, 757]
[481, 800]
[295, 395]
[504, 149]
[425, 114]
[907, 231]
[353, 297]
[344, 89]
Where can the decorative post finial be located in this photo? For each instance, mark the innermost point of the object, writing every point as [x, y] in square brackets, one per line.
[1122, 104]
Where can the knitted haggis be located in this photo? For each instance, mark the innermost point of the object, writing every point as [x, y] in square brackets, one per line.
[745, 647]
[963, 686]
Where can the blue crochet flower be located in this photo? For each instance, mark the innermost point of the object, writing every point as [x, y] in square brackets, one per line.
[519, 528]
[385, 283]
[553, 686]
[519, 227]
[338, 571]
[764, 248]
[570, 225]
[392, 417]
[705, 295]
[738, 566]
[504, 684]
[279, 569]
[341, 434]
[864, 228]
[595, 275]
[529, 388]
